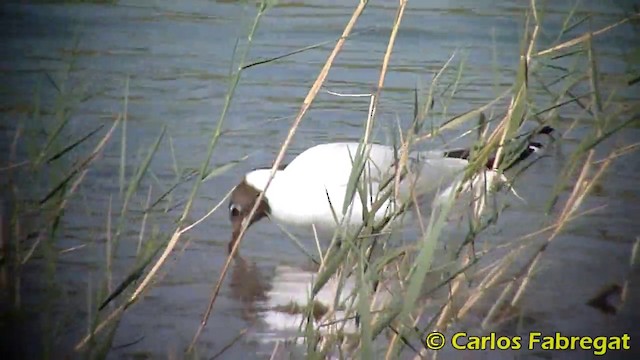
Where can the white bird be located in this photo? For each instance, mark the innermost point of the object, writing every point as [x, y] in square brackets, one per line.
[310, 191]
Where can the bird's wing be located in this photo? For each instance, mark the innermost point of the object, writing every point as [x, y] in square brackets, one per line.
[330, 165]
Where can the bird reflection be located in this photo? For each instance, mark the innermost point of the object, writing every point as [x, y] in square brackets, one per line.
[282, 303]
[248, 287]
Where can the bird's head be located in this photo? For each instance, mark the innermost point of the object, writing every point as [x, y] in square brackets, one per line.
[243, 198]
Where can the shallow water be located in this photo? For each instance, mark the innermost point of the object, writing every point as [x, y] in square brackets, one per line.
[176, 57]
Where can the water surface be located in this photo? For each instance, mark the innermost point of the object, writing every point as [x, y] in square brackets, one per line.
[176, 58]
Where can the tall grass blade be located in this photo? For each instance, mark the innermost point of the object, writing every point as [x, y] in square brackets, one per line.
[74, 144]
[134, 184]
[364, 305]
[458, 120]
[123, 139]
[223, 168]
[134, 275]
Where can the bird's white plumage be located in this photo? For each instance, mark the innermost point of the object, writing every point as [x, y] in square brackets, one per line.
[299, 195]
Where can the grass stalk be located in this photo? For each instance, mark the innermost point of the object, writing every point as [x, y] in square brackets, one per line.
[123, 139]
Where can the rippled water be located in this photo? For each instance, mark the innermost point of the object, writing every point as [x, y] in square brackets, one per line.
[176, 57]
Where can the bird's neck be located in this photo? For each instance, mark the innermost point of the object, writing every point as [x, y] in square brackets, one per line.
[258, 179]
[290, 201]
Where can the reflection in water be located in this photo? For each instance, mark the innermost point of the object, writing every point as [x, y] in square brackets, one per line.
[284, 304]
[247, 286]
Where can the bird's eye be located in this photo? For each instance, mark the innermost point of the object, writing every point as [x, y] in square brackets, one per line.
[234, 210]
